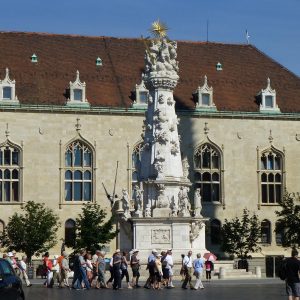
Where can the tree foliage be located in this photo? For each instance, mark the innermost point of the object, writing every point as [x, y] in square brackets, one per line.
[92, 232]
[288, 223]
[240, 236]
[33, 231]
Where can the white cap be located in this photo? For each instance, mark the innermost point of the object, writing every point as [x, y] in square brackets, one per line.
[10, 254]
[154, 251]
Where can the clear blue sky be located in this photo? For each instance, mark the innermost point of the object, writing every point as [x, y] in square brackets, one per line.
[274, 25]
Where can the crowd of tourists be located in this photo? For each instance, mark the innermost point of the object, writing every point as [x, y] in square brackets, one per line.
[90, 271]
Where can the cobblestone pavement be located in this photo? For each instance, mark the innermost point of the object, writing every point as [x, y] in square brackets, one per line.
[231, 290]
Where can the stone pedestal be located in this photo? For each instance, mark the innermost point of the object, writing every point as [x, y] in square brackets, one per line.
[168, 233]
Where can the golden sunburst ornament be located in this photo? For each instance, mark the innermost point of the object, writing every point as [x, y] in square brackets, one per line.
[159, 29]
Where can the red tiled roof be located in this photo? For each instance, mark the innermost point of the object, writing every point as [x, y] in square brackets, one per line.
[245, 71]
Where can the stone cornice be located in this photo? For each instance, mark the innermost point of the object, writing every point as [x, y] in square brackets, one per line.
[141, 112]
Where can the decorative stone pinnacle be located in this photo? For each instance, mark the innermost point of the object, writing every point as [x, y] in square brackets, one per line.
[7, 74]
[206, 129]
[271, 137]
[77, 76]
[269, 82]
[7, 131]
[78, 125]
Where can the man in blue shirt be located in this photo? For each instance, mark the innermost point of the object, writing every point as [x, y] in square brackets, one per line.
[198, 265]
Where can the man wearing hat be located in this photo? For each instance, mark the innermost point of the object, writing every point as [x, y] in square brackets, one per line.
[117, 260]
[135, 266]
[151, 266]
[169, 267]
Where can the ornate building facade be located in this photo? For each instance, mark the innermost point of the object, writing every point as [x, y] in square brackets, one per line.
[73, 106]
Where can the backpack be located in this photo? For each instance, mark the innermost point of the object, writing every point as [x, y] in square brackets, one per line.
[282, 272]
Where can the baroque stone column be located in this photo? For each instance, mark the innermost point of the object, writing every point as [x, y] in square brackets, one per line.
[161, 164]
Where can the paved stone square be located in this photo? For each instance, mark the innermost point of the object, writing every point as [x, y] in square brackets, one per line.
[231, 290]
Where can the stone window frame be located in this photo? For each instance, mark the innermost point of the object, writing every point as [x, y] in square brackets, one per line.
[8, 83]
[204, 90]
[64, 168]
[260, 171]
[137, 148]
[74, 86]
[264, 94]
[267, 239]
[211, 171]
[19, 167]
[139, 89]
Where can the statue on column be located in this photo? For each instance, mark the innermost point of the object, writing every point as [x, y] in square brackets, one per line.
[138, 200]
[197, 203]
[125, 204]
[184, 202]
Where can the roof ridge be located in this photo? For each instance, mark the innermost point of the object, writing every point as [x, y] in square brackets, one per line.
[113, 37]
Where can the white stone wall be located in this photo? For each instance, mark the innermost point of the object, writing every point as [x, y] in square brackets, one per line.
[41, 133]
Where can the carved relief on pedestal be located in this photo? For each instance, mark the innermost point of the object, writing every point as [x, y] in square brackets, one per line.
[195, 230]
[160, 236]
[170, 101]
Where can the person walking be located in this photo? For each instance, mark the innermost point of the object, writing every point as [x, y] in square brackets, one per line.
[208, 269]
[64, 270]
[117, 260]
[158, 271]
[89, 267]
[124, 269]
[56, 270]
[111, 270]
[135, 266]
[82, 270]
[23, 269]
[187, 265]
[94, 281]
[292, 266]
[150, 266]
[198, 265]
[101, 263]
[169, 267]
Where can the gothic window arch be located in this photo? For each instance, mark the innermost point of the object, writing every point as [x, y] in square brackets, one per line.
[265, 232]
[271, 175]
[208, 172]
[11, 173]
[136, 164]
[215, 232]
[78, 168]
[70, 233]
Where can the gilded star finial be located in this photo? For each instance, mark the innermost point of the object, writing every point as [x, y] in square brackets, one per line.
[159, 29]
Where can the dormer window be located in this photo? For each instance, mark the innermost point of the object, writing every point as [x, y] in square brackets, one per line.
[77, 92]
[219, 66]
[7, 93]
[268, 99]
[204, 96]
[34, 58]
[7, 90]
[141, 95]
[77, 95]
[99, 62]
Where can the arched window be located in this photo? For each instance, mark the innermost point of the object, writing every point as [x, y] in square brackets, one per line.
[215, 231]
[9, 173]
[78, 172]
[70, 233]
[207, 176]
[279, 235]
[136, 164]
[271, 173]
[266, 232]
